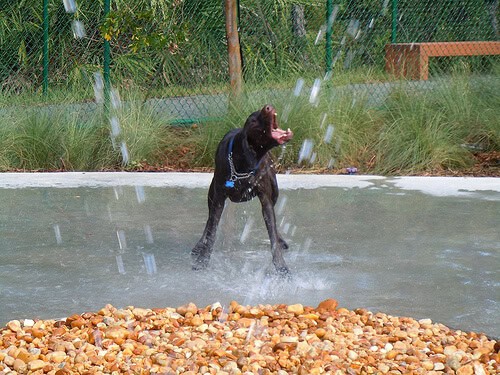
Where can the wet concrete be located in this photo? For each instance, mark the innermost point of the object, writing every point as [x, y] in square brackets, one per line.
[421, 247]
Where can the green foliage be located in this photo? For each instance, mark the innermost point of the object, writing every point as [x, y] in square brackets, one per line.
[412, 132]
[176, 46]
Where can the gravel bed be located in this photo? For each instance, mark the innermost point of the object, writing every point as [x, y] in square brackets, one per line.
[263, 339]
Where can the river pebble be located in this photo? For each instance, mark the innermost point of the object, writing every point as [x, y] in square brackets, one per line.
[263, 339]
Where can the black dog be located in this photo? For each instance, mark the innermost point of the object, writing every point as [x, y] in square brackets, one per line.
[244, 170]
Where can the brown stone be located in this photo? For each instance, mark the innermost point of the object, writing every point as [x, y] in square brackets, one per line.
[465, 370]
[296, 309]
[36, 364]
[328, 305]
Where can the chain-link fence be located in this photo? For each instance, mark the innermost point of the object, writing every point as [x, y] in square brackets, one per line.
[175, 52]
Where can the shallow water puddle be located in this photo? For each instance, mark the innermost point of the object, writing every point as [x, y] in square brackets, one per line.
[403, 252]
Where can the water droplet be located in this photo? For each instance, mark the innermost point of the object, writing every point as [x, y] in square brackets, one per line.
[78, 29]
[150, 263]
[337, 57]
[337, 145]
[352, 28]
[115, 126]
[313, 158]
[148, 233]
[372, 22]
[98, 87]
[298, 87]
[122, 242]
[321, 30]
[119, 263]
[329, 133]
[281, 205]
[323, 119]
[118, 190]
[286, 228]
[315, 91]
[384, 7]
[115, 98]
[286, 112]
[246, 230]
[349, 58]
[331, 163]
[124, 151]
[140, 193]
[333, 16]
[70, 6]
[306, 150]
[57, 232]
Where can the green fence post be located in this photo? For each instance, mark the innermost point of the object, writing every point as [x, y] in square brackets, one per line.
[328, 35]
[45, 85]
[394, 20]
[107, 59]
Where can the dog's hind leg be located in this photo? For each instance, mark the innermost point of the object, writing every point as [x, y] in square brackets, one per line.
[204, 247]
[277, 243]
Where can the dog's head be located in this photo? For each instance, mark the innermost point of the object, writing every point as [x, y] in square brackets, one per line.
[263, 131]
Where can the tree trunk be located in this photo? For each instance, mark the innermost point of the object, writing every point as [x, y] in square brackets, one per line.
[233, 47]
[299, 32]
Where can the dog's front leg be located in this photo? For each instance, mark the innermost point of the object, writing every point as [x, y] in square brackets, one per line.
[276, 244]
[204, 247]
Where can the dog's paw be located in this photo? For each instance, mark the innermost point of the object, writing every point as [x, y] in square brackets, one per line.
[284, 272]
[200, 264]
[195, 253]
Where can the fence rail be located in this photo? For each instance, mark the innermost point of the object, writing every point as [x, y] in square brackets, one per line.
[178, 49]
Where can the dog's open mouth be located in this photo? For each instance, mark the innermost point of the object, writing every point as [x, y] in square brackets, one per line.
[279, 135]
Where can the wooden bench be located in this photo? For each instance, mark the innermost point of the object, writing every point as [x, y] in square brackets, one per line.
[411, 60]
